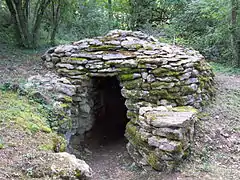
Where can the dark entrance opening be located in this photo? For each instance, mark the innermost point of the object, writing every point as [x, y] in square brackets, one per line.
[109, 111]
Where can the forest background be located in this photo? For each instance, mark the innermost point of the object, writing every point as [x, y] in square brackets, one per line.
[210, 26]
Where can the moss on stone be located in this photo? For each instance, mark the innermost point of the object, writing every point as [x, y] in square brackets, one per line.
[133, 116]
[78, 174]
[56, 144]
[203, 81]
[64, 105]
[153, 160]
[67, 99]
[161, 93]
[26, 114]
[174, 89]
[142, 66]
[78, 59]
[159, 84]
[163, 72]
[134, 136]
[186, 90]
[134, 46]
[184, 109]
[72, 72]
[59, 143]
[125, 70]
[126, 77]
[134, 84]
[1, 144]
[152, 116]
[148, 47]
[173, 73]
[146, 86]
[160, 71]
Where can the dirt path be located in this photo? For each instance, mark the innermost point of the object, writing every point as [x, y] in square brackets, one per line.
[17, 65]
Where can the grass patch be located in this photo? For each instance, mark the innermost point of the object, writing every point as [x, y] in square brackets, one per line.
[26, 114]
[226, 69]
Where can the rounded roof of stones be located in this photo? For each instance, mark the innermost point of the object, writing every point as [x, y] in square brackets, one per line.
[132, 45]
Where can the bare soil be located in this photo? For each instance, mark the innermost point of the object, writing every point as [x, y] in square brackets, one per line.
[215, 154]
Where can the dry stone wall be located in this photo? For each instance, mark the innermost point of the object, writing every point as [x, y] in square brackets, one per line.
[152, 75]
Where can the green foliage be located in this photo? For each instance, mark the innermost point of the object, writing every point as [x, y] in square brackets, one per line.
[6, 28]
[204, 26]
[91, 19]
[1, 143]
[225, 68]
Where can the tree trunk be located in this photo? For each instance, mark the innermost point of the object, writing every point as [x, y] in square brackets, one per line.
[55, 20]
[38, 20]
[21, 21]
[19, 9]
[234, 38]
[110, 14]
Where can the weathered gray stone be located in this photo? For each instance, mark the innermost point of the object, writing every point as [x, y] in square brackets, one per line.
[136, 75]
[132, 43]
[174, 134]
[144, 75]
[68, 66]
[64, 48]
[169, 119]
[116, 56]
[151, 78]
[192, 81]
[87, 55]
[85, 108]
[155, 77]
[49, 65]
[67, 89]
[129, 63]
[185, 76]
[113, 42]
[55, 59]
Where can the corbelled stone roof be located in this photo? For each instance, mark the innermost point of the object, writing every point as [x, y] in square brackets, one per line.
[154, 77]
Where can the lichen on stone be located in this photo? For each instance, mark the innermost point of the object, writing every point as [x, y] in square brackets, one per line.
[148, 71]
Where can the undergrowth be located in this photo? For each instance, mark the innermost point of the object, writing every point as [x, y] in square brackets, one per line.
[27, 116]
[225, 69]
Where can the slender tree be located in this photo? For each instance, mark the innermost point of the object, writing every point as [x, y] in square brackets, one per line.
[234, 34]
[110, 14]
[27, 24]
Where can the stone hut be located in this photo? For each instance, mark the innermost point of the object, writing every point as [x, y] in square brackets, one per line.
[152, 89]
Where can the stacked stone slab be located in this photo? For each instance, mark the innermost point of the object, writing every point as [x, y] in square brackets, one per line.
[161, 137]
[151, 74]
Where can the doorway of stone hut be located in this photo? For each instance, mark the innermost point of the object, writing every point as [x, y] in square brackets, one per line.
[109, 112]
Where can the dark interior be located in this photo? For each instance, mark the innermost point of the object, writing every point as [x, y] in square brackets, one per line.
[110, 111]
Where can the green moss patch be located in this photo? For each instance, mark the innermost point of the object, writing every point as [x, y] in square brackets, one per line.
[29, 118]
[134, 136]
[77, 59]
[161, 94]
[25, 113]
[184, 109]
[126, 77]
[134, 84]
[153, 160]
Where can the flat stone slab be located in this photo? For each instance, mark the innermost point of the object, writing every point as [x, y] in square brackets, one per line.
[168, 119]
